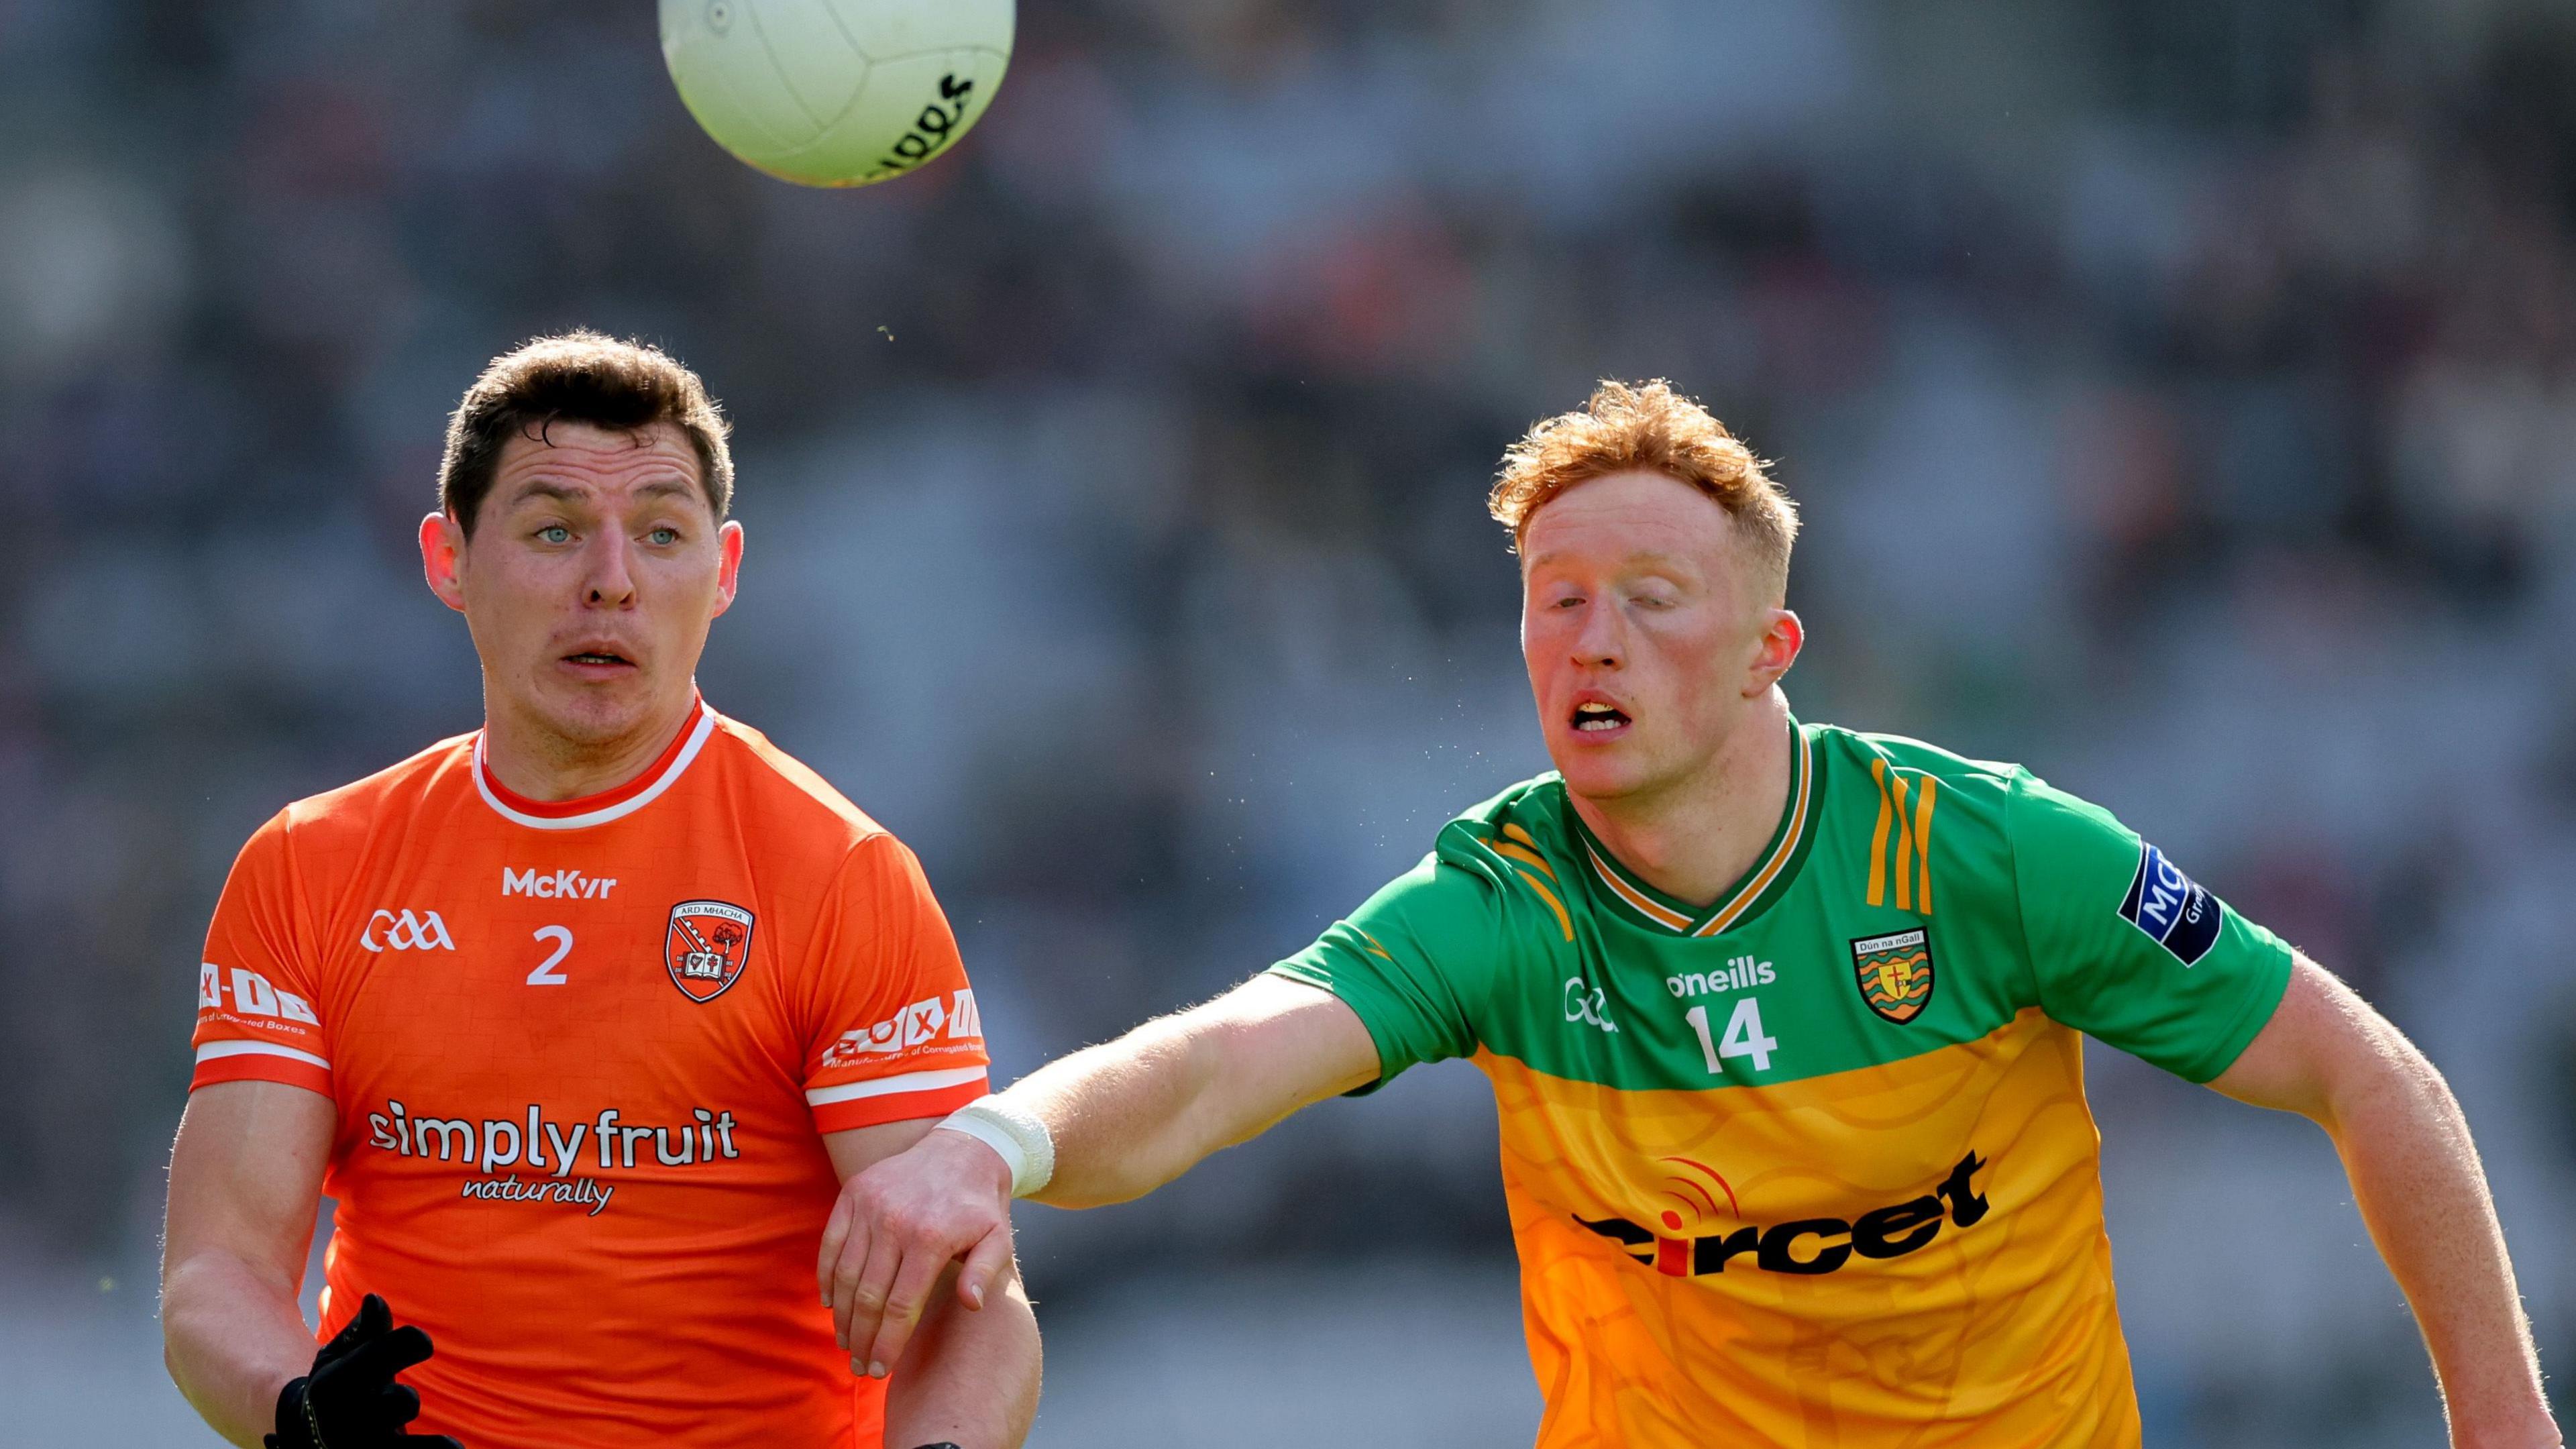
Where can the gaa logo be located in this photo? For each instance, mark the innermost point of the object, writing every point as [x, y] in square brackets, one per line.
[706, 946]
[389, 931]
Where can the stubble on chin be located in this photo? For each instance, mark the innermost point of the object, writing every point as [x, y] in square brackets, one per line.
[1607, 780]
[590, 717]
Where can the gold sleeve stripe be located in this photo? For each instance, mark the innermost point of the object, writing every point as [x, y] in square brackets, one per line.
[1564, 922]
[1903, 870]
[1517, 853]
[1878, 837]
[1523, 836]
[1374, 948]
[1923, 841]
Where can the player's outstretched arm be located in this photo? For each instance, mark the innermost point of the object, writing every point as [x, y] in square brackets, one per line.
[245, 1178]
[1125, 1118]
[1132, 1114]
[2416, 1177]
[972, 1380]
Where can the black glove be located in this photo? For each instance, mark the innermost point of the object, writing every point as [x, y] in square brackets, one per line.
[350, 1400]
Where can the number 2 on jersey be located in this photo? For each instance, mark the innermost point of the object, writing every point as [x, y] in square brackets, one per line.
[547, 975]
[1743, 1037]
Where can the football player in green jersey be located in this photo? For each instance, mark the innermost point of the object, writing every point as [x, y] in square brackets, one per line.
[1784, 1023]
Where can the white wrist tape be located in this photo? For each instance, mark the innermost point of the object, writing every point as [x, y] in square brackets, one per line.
[1014, 1132]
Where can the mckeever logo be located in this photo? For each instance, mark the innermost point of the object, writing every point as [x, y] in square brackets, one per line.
[558, 885]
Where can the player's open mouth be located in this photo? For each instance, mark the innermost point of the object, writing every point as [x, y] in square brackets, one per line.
[1591, 718]
[598, 659]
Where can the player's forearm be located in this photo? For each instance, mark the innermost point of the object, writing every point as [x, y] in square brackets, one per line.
[2418, 1182]
[232, 1336]
[1130, 1115]
[971, 1376]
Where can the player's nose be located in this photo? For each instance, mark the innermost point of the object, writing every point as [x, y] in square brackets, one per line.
[608, 581]
[1601, 640]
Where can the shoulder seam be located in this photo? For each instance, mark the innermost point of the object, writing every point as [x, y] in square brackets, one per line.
[1950, 765]
[831, 799]
[2012, 865]
[299, 902]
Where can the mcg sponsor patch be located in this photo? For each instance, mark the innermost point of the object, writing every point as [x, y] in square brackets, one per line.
[2171, 907]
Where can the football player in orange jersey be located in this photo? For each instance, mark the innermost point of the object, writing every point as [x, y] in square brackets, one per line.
[581, 1019]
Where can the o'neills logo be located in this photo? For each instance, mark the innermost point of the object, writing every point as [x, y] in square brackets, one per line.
[1811, 1245]
[557, 1156]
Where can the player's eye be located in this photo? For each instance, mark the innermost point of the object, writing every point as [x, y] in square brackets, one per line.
[554, 533]
[664, 536]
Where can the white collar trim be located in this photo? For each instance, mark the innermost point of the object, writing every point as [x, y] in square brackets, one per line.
[706, 726]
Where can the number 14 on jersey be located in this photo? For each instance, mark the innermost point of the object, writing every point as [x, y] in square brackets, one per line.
[1743, 1037]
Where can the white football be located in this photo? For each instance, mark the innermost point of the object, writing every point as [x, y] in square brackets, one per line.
[837, 92]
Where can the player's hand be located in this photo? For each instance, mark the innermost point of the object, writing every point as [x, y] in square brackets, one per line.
[897, 1227]
[350, 1400]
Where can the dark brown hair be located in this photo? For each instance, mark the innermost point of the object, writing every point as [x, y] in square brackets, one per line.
[577, 377]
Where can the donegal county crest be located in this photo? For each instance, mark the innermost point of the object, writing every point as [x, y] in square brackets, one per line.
[706, 946]
[1895, 973]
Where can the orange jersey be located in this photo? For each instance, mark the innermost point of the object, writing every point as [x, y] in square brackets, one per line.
[584, 1055]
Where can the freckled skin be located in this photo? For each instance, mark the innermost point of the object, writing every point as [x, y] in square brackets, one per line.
[591, 540]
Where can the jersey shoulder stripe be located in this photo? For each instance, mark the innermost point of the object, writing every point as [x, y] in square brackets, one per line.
[1516, 842]
[1923, 814]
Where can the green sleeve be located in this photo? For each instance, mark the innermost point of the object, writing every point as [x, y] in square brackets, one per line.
[2125, 947]
[1413, 961]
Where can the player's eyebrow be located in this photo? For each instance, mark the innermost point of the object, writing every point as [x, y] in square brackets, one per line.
[567, 493]
[1648, 559]
[539, 488]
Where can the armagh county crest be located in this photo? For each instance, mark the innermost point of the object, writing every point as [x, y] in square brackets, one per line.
[1895, 973]
[706, 946]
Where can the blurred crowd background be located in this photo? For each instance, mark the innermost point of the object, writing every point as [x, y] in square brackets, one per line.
[2182, 396]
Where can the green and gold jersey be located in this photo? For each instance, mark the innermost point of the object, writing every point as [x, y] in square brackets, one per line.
[1812, 1166]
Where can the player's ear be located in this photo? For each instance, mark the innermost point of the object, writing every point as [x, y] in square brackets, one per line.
[728, 565]
[442, 549]
[1783, 635]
